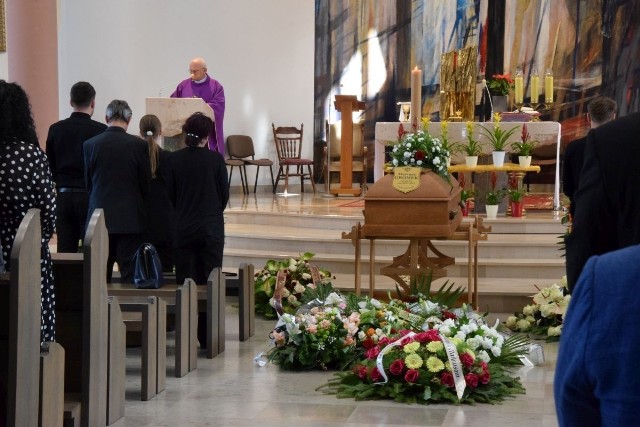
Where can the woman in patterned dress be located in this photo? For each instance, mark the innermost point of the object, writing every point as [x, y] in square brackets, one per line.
[25, 183]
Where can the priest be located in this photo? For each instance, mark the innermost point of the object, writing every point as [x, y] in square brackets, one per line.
[201, 85]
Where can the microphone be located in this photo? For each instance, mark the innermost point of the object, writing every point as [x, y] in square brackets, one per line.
[484, 82]
[165, 87]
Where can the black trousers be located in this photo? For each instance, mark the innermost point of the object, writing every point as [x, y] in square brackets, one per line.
[71, 219]
[122, 249]
[196, 260]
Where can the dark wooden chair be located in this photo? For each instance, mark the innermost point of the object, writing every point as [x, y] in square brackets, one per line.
[288, 142]
[240, 147]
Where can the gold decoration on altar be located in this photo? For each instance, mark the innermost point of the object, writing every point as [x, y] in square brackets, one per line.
[458, 71]
[406, 179]
[3, 34]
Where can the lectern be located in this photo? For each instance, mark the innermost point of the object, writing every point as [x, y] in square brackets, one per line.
[173, 112]
[347, 104]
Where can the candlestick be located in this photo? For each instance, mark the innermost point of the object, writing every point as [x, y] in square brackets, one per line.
[519, 87]
[548, 87]
[535, 87]
[416, 98]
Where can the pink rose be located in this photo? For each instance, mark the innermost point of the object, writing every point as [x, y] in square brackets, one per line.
[432, 335]
[312, 329]
[396, 367]
[411, 376]
[472, 380]
[361, 371]
[383, 341]
[485, 367]
[422, 337]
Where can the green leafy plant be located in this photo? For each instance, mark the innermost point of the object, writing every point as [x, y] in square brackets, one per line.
[466, 195]
[473, 146]
[525, 146]
[500, 84]
[494, 197]
[497, 136]
[447, 144]
[420, 288]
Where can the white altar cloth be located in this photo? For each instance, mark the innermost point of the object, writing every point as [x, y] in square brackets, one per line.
[544, 132]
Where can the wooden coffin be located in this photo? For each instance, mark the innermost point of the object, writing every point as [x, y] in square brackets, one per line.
[430, 211]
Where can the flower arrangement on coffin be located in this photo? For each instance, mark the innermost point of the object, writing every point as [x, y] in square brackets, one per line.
[498, 139]
[544, 317]
[422, 150]
[500, 84]
[298, 280]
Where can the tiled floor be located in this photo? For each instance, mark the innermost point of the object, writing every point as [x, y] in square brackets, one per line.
[231, 390]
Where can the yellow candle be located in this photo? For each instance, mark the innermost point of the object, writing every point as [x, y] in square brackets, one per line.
[416, 98]
[535, 87]
[548, 87]
[519, 87]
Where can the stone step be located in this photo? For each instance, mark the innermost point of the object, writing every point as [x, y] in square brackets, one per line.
[336, 263]
[530, 224]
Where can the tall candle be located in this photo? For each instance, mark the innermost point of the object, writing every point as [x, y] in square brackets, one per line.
[519, 86]
[548, 87]
[416, 98]
[535, 87]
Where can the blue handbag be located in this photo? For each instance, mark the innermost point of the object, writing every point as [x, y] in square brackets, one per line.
[147, 272]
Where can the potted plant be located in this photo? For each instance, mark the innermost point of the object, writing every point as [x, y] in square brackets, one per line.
[498, 139]
[493, 199]
[516, 195]
[499, 86]
[472, 149]
[524, 147]
[451, 147]
[465, 200]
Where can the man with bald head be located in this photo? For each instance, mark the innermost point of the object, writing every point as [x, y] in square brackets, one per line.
[201, 85]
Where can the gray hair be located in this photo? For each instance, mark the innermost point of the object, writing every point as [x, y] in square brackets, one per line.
[118, 110]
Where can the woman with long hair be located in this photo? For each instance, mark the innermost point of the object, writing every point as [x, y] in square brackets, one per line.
[25, 183]
[158, 205]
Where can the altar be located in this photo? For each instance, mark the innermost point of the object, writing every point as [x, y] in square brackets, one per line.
[545, 132]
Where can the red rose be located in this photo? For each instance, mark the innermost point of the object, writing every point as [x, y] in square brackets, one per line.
[472, 380]
[432, 335]
[449, 315]
[422, 337]
[420, 155]
[485, 367]
[411, 376]
[406, 340]
[396, 367]
[382, 342]
[485, 377]
[375, 375]
[361, 371]
[404, 332]
[368, 343]
[447, 379]
[466, 359]
[372, 353]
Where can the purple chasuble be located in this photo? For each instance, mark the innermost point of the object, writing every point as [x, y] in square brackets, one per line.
[211, 92]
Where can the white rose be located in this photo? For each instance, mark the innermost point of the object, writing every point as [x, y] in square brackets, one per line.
[394, 162]
[298, 288]
[554, 331]
[511, 322]
[285, 293]
[529, 310]
[436, 161]
[523, 325]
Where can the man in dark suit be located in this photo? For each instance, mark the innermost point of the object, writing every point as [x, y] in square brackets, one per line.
[597, 370]
[64, 151]
[600, 110]
[117, 175]
[607, 213]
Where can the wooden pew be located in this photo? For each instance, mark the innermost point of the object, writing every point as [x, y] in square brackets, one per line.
[183, 299]
[20, 327]
[244, 280]
[51, 384]
[82, 324]
[116, 368]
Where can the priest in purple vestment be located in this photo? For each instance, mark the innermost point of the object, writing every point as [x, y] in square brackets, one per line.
[201, 85]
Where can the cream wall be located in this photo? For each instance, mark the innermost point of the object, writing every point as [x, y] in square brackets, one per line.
[4, 68]
[261, 51]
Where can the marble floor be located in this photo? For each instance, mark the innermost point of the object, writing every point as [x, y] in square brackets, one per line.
[231, 390]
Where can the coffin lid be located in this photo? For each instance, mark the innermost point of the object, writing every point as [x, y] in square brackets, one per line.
[432, 187]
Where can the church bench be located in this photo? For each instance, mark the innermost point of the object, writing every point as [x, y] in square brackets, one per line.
[51, 384]
[20, 327]
[182, 300]
[82, 316]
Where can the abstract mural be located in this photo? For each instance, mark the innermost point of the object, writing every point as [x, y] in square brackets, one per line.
[368, 48]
